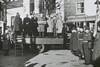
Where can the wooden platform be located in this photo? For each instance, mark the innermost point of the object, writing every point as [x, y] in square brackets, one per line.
[49, 41]
[42, 43]
[44, 40]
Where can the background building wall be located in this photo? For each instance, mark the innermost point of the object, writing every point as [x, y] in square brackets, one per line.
[69, 7]
[90, 7]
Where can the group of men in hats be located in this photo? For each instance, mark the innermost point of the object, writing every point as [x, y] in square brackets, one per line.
[81, 43]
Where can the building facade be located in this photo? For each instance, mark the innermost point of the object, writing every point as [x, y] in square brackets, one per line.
[80, 11]
[79, 7]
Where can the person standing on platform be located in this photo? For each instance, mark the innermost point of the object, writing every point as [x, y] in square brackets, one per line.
[33, 32]
[33, 26]
[87, 46]
[17, 25]
[26, 25]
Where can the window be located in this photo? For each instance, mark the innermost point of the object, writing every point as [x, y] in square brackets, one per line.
[80, 7]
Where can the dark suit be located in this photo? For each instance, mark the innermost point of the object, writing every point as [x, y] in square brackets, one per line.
[26, 26]
[64, 34]
[86, 47]
[96, 51]
[33, 26]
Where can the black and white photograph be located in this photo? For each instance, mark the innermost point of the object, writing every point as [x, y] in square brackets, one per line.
[49, 33]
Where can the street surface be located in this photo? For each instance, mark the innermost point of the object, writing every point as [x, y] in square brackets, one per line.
[56, 58]
[14, 61]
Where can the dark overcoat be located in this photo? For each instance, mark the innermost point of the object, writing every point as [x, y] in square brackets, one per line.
[26, 25]
[33, 26]
[96, 49]
[17, 23]
[74, 41]
[86, 47]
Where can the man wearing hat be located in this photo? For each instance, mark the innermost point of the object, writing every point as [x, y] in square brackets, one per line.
[87, 46]
[74, 41]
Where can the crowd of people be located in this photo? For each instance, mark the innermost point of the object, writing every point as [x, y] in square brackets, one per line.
[81, 43]
[84, 44]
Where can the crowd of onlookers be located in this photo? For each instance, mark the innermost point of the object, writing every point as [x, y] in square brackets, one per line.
[84, 43]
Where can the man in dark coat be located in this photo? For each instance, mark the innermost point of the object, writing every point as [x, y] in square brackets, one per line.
[33, 32]
[26, 25]
[96, 48]
[64, 34]
[87, 46]
[33, 26]
[17, 24]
